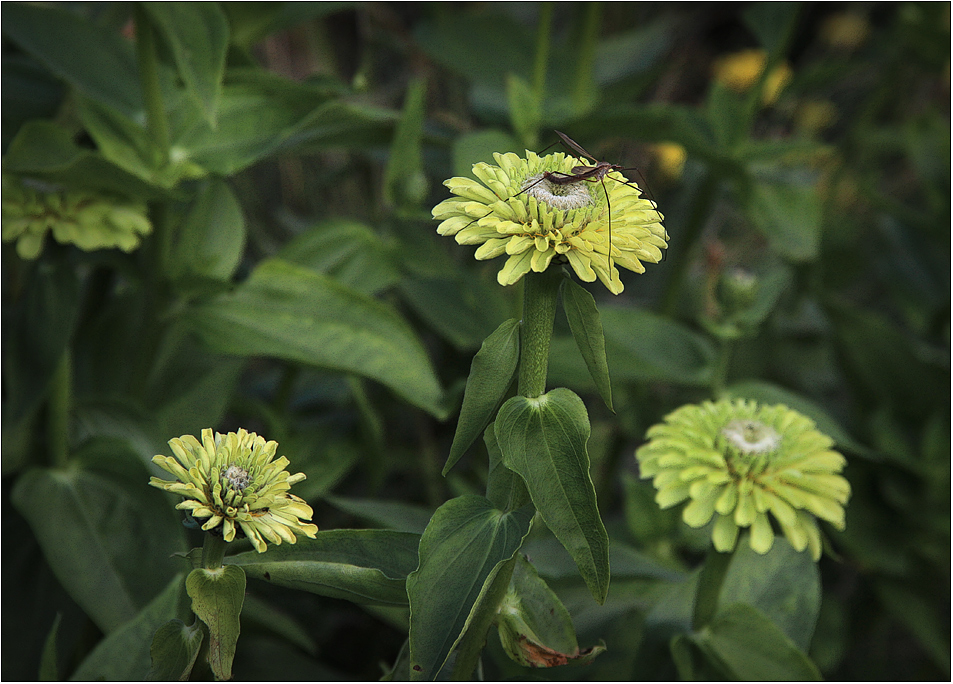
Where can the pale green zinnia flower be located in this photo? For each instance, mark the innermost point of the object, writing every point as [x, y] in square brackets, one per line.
[737, 461]
[235, 481]
[86, 219]
[515, 211]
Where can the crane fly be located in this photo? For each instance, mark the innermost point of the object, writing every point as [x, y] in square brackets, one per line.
[584, 173]
[577, 175]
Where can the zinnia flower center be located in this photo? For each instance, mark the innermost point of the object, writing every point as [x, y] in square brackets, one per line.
[751, 437]
[236, 478]
[559, 196]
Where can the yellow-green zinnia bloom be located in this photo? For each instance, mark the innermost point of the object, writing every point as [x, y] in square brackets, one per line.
[87, 219]
[515, 210]
[738, 461]
[235, 481]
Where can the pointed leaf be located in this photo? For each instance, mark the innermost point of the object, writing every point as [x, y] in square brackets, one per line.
[351, 252]
[391, 515]
[586, 329]
[524, 106]
[504, 488]
[49, 671]
[293, 313]
[125, 654]
[491, 374]
[107, 540]
[45, 150]
[175, 647]
[363, 566]
[211, 238]
[783, 584]
[404, 182]
[217, 597]
[94, 60]
[197, 34]
[752, 648]
[544, 440]
[462, 546]
[535, 628]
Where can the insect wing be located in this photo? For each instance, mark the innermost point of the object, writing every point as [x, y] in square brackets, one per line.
[574, 146]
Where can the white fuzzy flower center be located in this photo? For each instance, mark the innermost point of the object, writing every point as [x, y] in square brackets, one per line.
[751, 437]
[236, 478]
[559, 196]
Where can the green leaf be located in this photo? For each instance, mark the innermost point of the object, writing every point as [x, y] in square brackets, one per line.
[535, 628]
[887, 362]
[460, 308]
[470, 148]
[265, 616]
[491, 374]
[393, 515]
[544, 440]
[29, 92]
[49, 671]
[352, 253]
[405, 184]
[210, 240]
[642, 346]
[920, 614]
[217, 597]
[94, 60]
[728, 117]
[752, 648]
[363, 566]
[586, 327]
[483, 48]
[293, 313]
[504, 488]
[38, 325]
[524, 109]
[774, 24]
[125, 654]
[197, 34]
[789, 215]
[783, 584]
[175, 647]
[45, 150]
[463, 545]
[261, 114]
[107, 538]
[124, 142]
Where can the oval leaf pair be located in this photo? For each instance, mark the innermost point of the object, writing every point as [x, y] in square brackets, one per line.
[544, 440]
[461, 552]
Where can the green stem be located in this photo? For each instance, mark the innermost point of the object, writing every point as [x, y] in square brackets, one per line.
[213, 551]
[152, 92]
[586, 57]
[61, 396]
[722, 363]
[543, 29]
[471, 646]
[709, 587]
[540, 291]
[679, 252]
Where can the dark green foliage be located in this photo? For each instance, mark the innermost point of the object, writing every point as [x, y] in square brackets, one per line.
[293, 284]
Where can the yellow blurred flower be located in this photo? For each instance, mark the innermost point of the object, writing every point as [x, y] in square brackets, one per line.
[845, 30]
[741, 70]
[815, 115]
[670, 158]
